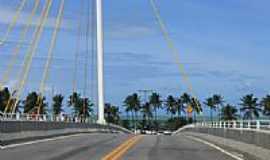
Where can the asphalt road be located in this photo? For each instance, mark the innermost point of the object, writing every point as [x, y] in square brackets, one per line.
[96, 146]
[173, 148]
[83, 147]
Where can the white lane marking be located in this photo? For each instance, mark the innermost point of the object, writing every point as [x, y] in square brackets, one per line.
[38, 141]
[216, 147]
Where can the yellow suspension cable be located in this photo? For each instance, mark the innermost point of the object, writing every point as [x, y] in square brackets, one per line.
[50, 54]
[77, 50]
[31, 52]
[19, 45]
[13, 22]
[173, 49]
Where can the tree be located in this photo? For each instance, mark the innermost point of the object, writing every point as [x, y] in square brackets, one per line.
[134, 104]
[185, 99]
[73, 99]
[112, 113]
[265, 103]
[156, 103]
[129, 107]
[32, 102]
[196, 106]
[211, 104]
[43, 105]
[57, 104]
[229, 112]
[171, 105]
[82, 107]
[250, 107]
[218, 101]
[147, 113]
[4, 98]
[180, 107]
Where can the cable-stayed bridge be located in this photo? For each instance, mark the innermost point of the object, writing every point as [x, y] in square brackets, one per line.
[35, 134]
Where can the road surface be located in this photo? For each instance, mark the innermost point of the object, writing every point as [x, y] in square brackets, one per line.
[173, 148]
[80, 147]
[97, 146]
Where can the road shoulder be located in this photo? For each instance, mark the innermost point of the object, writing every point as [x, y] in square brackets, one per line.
[248, 151]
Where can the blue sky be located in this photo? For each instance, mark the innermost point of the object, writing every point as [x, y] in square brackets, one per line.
[223, 46]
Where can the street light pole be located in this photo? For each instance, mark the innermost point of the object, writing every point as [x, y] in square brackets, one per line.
[100, 69]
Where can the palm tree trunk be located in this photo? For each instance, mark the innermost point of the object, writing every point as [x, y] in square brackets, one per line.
[195, 119]
[132, 117]
[179, 113]
[211, 114]
[136, 118]
[155, 114]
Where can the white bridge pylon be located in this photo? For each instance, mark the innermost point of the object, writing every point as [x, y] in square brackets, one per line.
[100, 60]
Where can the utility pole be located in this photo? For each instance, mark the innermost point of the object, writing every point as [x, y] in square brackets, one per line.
[100, 70]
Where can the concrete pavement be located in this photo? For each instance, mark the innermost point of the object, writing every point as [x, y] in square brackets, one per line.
[83, 147]
[97, 146]
[173, 148]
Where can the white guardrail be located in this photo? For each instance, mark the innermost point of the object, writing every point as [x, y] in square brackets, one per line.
[238, 124]
[41, 117]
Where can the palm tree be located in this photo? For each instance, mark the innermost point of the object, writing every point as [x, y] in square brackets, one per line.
[128, 105]
[147, 112]
[171, 105]
[73, 99]
[112, 113]
[4, 97]
[218, 101]
[34, 103]
[136, 103]
[250, 106]
[133, 104]
[156, 103]
[30, 103]
[229, 112]
[185, 98]
[180, 107]
[43, 105]
[211, 104]
[265, 103]
[57, 104]
[196, 106]
[83, 108]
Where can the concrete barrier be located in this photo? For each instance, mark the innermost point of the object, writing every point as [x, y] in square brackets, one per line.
[254, 137]
[19, 131]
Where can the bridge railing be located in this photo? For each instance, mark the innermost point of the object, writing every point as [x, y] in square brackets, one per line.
[237, 124]
[41, 117]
